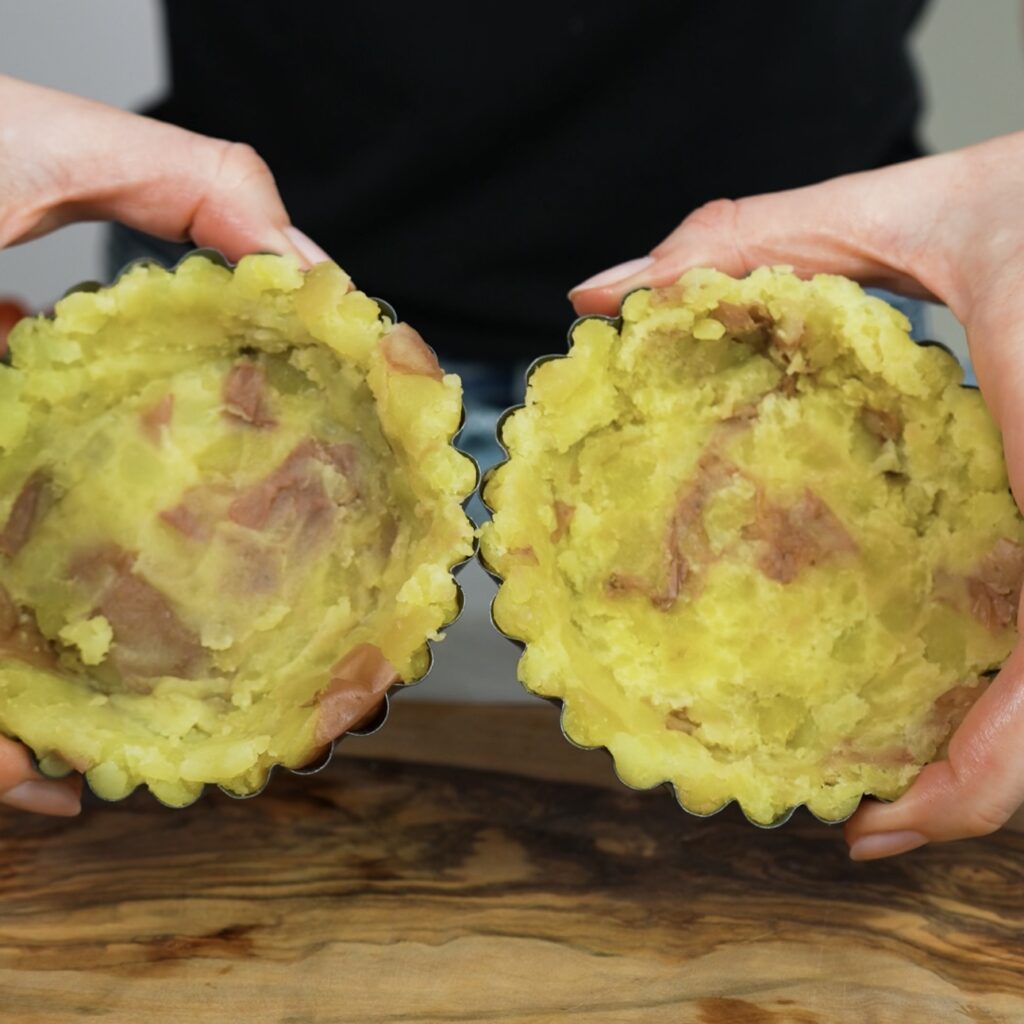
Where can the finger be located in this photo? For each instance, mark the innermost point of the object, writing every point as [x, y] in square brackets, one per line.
[215, 193]
[972, 793]
[10, 313]
[865, 226]
[98, 163]
[22, 787]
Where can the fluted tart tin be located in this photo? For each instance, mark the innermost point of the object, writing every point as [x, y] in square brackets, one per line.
[755, 542]
[231, 513]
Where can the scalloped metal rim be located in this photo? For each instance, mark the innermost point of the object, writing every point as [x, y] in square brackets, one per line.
[380, 716]
[616, 322]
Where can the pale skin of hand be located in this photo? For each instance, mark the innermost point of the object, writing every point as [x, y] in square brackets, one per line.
[65, 159]
[949, 228]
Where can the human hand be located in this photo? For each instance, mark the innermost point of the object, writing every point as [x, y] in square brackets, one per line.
[950, 228]
[10, 313]
[23, 788]
[65, 159]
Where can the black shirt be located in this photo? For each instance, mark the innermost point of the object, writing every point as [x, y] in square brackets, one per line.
[470, 162]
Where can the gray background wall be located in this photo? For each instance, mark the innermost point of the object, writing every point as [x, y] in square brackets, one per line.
[970, 52]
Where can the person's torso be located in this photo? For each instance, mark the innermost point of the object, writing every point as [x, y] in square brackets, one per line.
[471, 162]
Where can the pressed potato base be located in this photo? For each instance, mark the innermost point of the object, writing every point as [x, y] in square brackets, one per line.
[229, 506]
[760, 543]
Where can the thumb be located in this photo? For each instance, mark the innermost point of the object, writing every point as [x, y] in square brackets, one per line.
[873, 227]
[95, 162]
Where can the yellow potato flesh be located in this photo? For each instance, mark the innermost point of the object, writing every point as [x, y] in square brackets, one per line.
[196, 569]
[754, 560]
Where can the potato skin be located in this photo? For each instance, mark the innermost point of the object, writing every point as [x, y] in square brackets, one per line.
[214, 487]
[757, 541]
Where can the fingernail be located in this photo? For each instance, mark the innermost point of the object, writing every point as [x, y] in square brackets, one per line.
[43, 798]
[886, 844]
[619, 273]
[306, 247]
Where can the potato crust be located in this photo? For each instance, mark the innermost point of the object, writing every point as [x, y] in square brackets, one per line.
[220, 496]
[760, 543]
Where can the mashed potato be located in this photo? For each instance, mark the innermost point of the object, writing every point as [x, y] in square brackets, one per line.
[228, 510]
[759, 543]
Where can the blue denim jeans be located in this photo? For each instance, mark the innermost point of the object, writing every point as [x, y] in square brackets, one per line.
[489, 387]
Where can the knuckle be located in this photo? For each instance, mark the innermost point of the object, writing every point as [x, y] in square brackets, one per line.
[717, 215]
[986, 818]
[239, 162]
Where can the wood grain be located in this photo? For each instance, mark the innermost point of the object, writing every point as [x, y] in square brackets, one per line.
[467, 865]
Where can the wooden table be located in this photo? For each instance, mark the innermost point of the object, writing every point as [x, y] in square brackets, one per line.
[466, 864]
